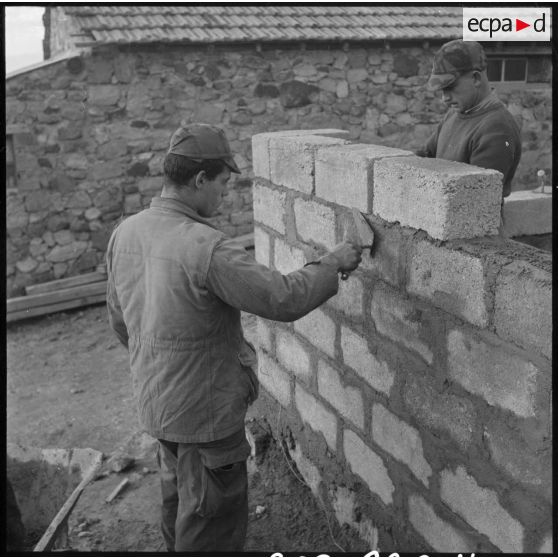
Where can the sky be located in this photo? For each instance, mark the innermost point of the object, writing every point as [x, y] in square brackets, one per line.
[24, 36]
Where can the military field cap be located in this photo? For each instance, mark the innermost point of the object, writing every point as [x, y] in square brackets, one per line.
[454, 59]
[202, 141]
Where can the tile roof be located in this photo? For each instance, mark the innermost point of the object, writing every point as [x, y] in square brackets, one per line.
[103, 24]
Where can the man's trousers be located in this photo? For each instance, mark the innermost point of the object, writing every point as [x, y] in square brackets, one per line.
[205, 494]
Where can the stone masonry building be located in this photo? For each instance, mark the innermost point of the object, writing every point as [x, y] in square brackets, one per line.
[87, 129]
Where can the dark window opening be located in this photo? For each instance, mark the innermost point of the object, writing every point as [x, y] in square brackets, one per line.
[507, 69]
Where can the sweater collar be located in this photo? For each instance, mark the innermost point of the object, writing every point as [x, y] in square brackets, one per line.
[490, 100]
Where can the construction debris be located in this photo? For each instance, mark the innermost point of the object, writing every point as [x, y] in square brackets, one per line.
[117, 491]
[258, 438]
[120, 462]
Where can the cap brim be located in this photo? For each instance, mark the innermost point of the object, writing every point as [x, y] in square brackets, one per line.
[229, 161]
[440, 81]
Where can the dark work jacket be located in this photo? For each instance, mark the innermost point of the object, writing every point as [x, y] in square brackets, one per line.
[176, 287]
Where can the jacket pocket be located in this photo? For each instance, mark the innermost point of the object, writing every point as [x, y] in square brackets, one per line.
[248, 361]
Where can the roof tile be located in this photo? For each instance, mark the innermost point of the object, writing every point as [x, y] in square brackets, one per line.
[124, 24]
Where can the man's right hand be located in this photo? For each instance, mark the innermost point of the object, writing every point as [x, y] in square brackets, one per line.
[345, 256]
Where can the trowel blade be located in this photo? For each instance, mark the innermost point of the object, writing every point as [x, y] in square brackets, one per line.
[363, 229]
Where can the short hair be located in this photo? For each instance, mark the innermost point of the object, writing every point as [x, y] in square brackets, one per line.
[180, 169]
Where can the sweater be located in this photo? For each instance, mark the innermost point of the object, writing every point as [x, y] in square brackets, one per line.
[487, 138]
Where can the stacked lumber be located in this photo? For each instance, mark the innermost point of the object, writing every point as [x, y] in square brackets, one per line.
[55, 296]
[72, 292]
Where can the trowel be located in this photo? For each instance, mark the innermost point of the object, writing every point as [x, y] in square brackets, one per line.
[364, 233]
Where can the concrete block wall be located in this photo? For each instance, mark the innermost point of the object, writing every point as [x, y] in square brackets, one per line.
[417, 401]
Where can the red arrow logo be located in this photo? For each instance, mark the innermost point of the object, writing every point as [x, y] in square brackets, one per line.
[519, 25]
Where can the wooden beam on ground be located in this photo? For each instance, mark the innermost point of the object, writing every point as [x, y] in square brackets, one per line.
[38, 305]
[66, 283]
[60, 519]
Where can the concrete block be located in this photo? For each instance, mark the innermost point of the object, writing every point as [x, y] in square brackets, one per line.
[400, 440]
[446, 199]
[399, 320]
[437, 532]
[315, 223]
[319, 329]
[357, 356]
[526, 213]
[260, 156]
[316, 416]
[262, 246]
[260, 146]
[523, 306]
[274, 379]
[368, 466]
[450, 280]
[346, 399]
[288, 258]
[440, 410]
[269, 207]
[349, 297]
[347, 512]
[344, 175]
[481, 509]
[264, 334]
[292, 355]
[510, 452]
[499, 377]
[291, 159]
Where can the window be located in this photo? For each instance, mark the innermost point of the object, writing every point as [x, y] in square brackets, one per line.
[11, 180]
[507, 69]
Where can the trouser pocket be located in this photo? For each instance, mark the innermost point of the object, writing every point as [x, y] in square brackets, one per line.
[224, 489]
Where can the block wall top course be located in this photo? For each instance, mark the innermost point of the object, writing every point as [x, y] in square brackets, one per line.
[448, 200]
[527, 212]
[292, 159]
[344, 175]
[260, 146]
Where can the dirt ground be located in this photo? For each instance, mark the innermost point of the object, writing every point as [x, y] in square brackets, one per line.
[68, 386]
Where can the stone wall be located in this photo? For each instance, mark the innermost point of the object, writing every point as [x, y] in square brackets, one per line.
[416, 402]
[89, 133]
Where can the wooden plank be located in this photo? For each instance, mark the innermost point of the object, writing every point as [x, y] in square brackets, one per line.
[24, 302]
[61, 518]
[117, 490]
[57, 307]
[65, 283]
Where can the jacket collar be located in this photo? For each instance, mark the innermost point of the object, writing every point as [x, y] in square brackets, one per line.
[176, 205]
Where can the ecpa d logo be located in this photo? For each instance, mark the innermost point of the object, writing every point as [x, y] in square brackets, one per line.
[506, 23]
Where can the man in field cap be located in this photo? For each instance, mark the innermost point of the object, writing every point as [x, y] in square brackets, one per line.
[477, 129]
[200, 142]
[176, 287]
